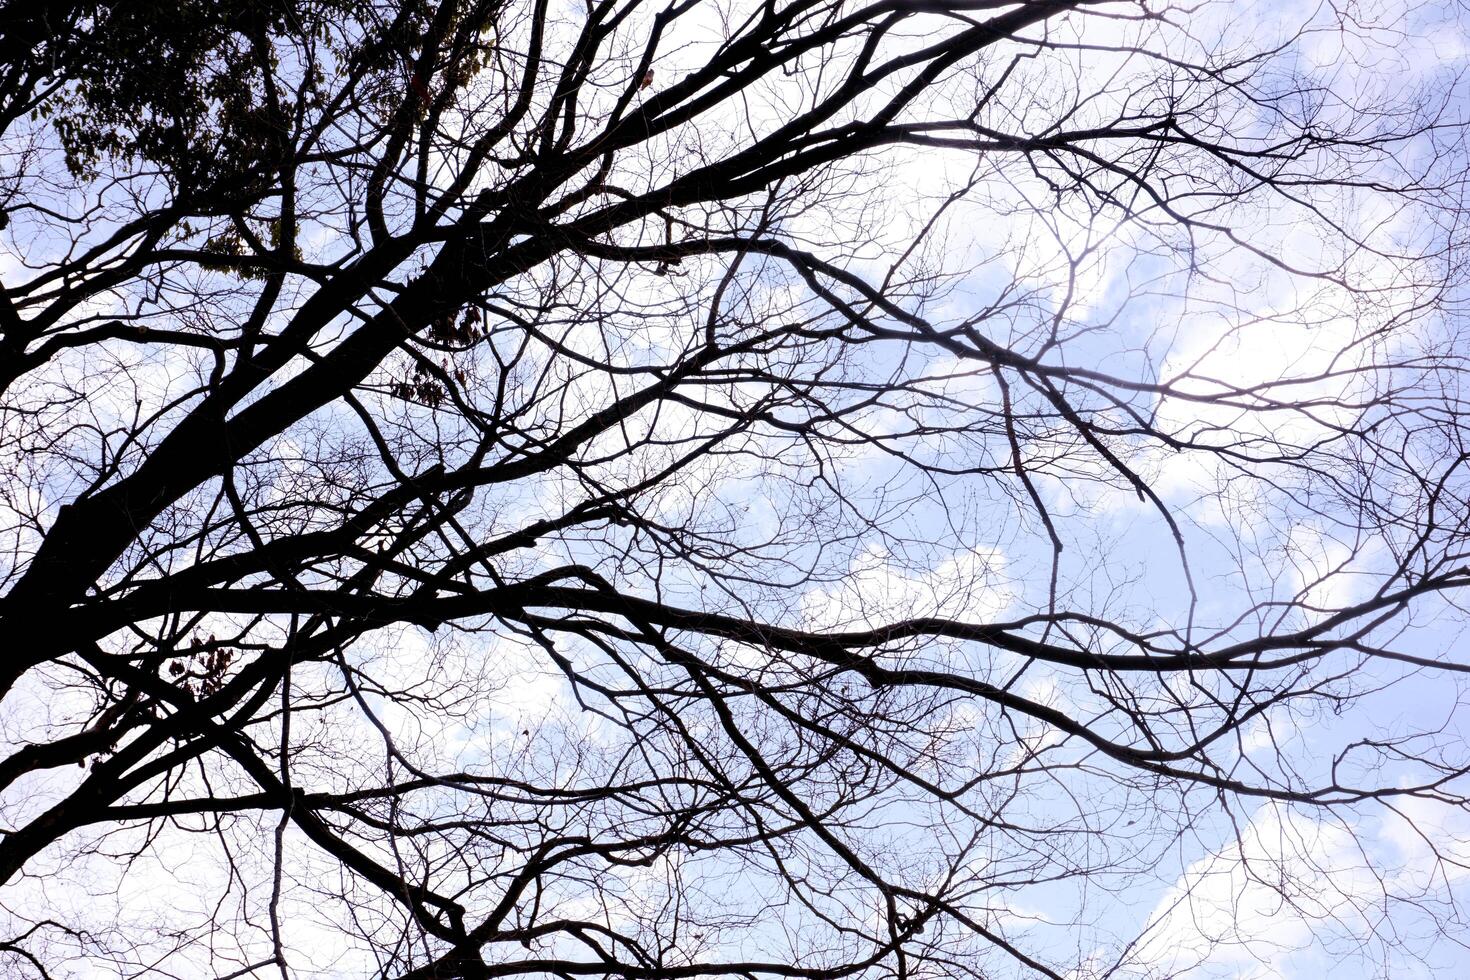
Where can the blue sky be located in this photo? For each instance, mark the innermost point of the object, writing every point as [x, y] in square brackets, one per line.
[1193, 887]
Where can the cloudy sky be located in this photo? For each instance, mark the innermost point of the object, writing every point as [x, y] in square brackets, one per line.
[1248, 888]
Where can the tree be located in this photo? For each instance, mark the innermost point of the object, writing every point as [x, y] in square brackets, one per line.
[497, 488]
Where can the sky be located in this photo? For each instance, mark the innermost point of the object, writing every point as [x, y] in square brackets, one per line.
[1261, 890]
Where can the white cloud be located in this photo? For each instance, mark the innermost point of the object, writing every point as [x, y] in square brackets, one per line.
[879, 588]
[1299, 890]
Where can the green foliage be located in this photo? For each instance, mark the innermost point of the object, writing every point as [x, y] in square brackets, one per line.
[188, 86]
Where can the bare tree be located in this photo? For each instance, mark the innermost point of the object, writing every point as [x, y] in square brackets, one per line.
[819, 489]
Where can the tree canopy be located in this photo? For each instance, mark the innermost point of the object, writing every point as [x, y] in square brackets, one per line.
[498, 488]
